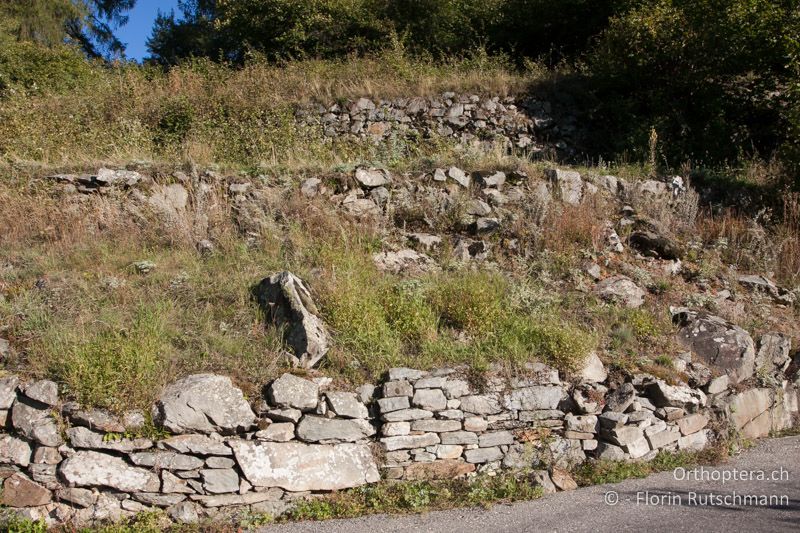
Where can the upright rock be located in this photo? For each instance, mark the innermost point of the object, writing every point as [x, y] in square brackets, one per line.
[287, 303]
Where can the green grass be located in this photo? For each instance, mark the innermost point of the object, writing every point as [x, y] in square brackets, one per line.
[416, 497]
[602, 472]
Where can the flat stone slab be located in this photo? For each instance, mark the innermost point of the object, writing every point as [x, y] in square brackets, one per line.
[294, 466]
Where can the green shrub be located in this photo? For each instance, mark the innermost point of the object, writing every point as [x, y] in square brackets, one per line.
[470, 301]
[119, 366]
[28, 69]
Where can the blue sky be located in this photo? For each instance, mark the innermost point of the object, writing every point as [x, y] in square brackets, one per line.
[140, 24]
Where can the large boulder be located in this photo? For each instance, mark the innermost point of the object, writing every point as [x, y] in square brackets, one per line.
[204, 403]
[95, 469]
[720, 344]
[287, 303]
[295, 466]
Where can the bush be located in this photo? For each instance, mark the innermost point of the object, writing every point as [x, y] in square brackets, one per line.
[29, 69]
[712, 77]
[116, 364]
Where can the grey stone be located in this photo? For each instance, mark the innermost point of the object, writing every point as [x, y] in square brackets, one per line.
[408, 442]
[663, 438]
[495, 438]
[157, 499]
[310, 187]
[288, 304]
[14, 451]
[459, 437]
[749, 405]
[277, 432]
[430, 399]
[430, 382]
[622, 290]
[285, 415]
[204, 403]
[98, 420]
[172, 484]
[405, 261]
[609, 452]
[533, 398]
[372, 177]
[455, 388]
[45, 455]
[406, 414]
[481, 404]
[593, 370]
[483, 455]
[76, 496]
[296, 466]
[773, 352]
[436, 426]
[718, 343]
[568, 183]
[90, 469]
[459, 176]
[320, 429]
[475, 423]
[663, 395]
[397, 388]
[184, 513]
[8, 391]
[220, 480]
[346, 404]
[35, 424]
[692, 423]
[395, 429]
[585, 424]
[166, 460]
[408, 374]
[619, 400]
[81, 437]
[290, 391]
[541, 478]
[623, 436]
[718, 384]
[395, 403]
[196, 444]
[230, 500]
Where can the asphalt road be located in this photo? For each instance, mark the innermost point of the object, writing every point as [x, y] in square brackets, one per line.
[676, 503]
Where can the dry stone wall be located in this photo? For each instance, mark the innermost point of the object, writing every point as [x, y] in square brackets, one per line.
[66, 464]
[518, 122]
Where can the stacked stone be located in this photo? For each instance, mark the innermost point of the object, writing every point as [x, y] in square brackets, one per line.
[221, 456]
[641, 418]
[467, 118]
[437, 425]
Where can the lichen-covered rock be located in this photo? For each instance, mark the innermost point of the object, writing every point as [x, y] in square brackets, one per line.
[8, 391]
[405, 261]
[43, 391]
[622, 290]
[289, 391]
[288, 304]
[14, 451]
[536, 397]
[196, 444]
[720, 344]
[34, 421]
[81, 437]
[95, 469]
[204, 403]
[320, 429]
[346, 404]
[296, 466]
[568, 183]
[664, 395]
